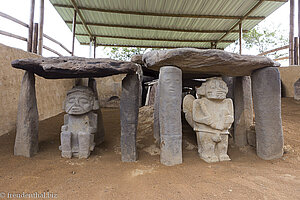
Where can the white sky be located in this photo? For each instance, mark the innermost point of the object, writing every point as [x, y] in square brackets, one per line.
[55, 27]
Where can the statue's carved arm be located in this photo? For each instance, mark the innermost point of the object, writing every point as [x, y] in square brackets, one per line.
[200, 113]
[229, 116]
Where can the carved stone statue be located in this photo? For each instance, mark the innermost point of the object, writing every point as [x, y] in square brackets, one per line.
[80, 123]
[211, 115]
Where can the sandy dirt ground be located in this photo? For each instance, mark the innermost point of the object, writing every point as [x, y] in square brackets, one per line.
[104, 176]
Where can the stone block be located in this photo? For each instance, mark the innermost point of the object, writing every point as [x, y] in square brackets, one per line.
[156, 127]
[170, 96]
[26, 143]
[129, 109]
[243, 109]
[267, 108]
[297, 90]
[171, 149]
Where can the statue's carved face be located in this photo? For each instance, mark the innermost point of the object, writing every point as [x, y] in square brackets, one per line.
[216, 89]
[78, 103]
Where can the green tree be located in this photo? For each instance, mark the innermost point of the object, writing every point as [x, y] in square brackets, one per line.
[263, 38]
[124, 53]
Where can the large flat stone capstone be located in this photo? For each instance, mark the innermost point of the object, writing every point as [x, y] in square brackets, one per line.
[75, 67]
[209, 62]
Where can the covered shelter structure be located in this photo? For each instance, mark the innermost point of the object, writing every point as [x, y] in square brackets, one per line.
[194, 27]
[163, 23]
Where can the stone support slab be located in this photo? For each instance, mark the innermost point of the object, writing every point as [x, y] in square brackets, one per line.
[229, 82]
[243, 109]
[156, 128]
[170, 95]
[26, 143]
[99, 136]
[267, 108]
[297, 90]
[129, 109]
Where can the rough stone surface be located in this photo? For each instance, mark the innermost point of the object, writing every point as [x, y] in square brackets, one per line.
[137, 59]
[99, 135]
[152, 93]
[156, 127]
[243, 110]
[267, 108]
[26, 143]
[129, 109]
[297, 90]
[75, 67]
[210, 116]
[229, 82]
[209, 62]
[170, 90]
[80, 123]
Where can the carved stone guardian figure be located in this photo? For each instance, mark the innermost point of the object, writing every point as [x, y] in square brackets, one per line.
[80, 123]
[210, 115]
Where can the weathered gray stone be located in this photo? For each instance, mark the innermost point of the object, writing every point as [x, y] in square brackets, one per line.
[99, 135]
[152, 93]
[267, 108]
[129, 109]
[80, 123]
[170, 90]
[26, 143]
[297, 90]
[229, 82]
[243, 109]
[75, 67]
[138, 58]
[210, 62]
[210, 116]
[156, 127]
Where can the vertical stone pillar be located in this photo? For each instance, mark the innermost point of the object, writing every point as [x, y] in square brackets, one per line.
[170, 94]
[99, 136]
[156, 127]
[267, 108]
[26, 143]
[243, 109]
[129, 109]
[229, 82]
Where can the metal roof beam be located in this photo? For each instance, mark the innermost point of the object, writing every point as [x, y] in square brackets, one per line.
[142, 46]
[153, 28]
[154, 39]
[161, 14]
[81, 17]
[278, 0]
[244, 17]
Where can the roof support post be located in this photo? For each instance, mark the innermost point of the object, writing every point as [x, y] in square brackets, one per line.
[35, 37]
[30, 30]
[242, 19]
[73, 31]
[90, 50]
[95, 45]
[240, 36]
[291, 37]
[213, 45]
[296, 50]
[299, 30]
[41, 27]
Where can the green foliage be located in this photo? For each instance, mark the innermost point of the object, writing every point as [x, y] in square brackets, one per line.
[263, 38]
[124, 53]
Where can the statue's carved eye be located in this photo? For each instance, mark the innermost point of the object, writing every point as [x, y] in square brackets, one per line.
[71, 100]
[83, 101]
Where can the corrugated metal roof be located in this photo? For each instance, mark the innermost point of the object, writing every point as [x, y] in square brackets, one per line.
[141, 22]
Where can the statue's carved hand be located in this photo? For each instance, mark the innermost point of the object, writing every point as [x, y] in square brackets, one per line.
[64, 128]
[228, 119]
